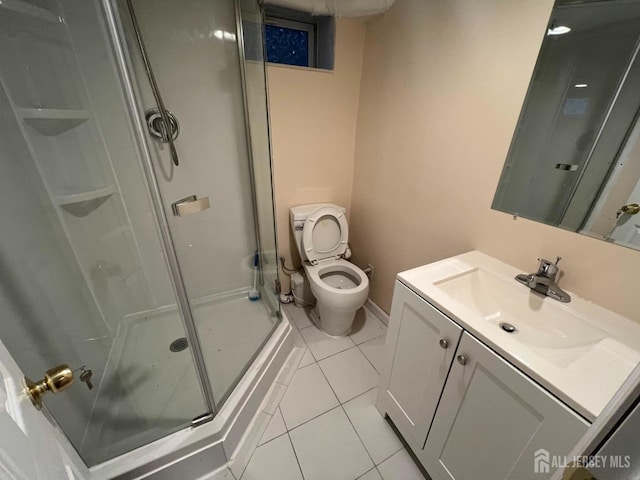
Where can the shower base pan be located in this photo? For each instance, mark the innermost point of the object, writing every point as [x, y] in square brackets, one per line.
[190, 452]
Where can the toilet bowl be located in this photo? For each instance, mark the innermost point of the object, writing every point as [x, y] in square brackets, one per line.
[340, 287]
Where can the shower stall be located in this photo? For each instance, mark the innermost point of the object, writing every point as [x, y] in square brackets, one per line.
[135, 218]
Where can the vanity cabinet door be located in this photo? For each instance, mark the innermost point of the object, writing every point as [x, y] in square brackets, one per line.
[492, 420]
[419, 349]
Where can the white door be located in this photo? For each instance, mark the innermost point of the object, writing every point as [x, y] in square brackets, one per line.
[494, 423]
[419, 350]
[31, 446]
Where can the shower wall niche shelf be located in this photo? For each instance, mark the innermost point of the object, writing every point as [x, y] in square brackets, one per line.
[20, 6]
[53, 121]
[82, 204]
[86, 196]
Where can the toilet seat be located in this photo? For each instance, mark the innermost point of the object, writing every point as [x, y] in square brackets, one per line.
[325, 234]
[315, 274]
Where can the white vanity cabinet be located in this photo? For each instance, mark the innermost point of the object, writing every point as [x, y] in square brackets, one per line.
[465, 411]
[419, 349]
[492, 419]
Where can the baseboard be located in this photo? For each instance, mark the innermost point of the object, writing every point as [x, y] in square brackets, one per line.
[377, 311]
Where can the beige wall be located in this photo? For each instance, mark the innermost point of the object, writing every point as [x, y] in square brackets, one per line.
[313, 128]
[442, 86]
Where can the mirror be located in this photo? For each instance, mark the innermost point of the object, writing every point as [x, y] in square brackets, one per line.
[574, 161]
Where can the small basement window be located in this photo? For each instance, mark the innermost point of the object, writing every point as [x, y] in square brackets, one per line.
[290, 42]
[298, 38]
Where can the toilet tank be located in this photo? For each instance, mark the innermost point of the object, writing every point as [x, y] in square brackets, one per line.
[298, 215]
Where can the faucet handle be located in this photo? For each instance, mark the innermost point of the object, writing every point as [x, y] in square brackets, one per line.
[547, 268]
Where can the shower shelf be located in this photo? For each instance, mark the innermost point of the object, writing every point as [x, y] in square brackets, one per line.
[23, 7]
[98, 194]
[53, 121]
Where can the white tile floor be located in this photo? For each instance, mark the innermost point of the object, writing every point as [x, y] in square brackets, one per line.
[326, 426]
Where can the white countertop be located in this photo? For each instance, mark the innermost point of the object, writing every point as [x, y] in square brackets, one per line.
[579, 351]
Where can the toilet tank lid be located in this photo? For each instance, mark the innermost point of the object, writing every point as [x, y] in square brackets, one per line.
[301, 212]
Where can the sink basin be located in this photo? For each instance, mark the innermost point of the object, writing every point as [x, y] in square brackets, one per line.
[579, 351]
[546, 326]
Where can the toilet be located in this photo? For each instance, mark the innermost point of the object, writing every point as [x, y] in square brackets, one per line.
[321, 233]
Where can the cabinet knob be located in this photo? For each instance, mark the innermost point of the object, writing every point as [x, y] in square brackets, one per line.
[462, 360]
[444, 344]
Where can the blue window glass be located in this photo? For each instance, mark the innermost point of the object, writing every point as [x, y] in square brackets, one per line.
[287, 45]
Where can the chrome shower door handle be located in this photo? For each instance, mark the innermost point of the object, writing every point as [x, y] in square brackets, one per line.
[189, 205]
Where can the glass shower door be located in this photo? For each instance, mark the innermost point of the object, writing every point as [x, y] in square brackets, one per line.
[194, 51]
[81, 261]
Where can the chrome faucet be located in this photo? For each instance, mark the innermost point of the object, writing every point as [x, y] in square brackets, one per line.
[544, 280]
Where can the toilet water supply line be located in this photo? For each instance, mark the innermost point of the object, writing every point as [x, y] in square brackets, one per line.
[288, 297]
[288, 271]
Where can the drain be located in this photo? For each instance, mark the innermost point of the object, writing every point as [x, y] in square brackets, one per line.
[179, 344]
[507, 327]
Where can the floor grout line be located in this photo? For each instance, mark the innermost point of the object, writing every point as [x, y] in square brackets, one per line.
[356, 430]
[315, 362]
[295, 454]
[349, 419]
[327, 378]
[365, 355]
[370, 470]
[320, 414]
[232, 474]
[353, 398]
[348, 348]
[334, 354]
[387, 458]
[307, 421]
[359, 438]
[370, 339]
[247, 464]
[316, 416]
[271, 440]
[265, 430]
[359, 395]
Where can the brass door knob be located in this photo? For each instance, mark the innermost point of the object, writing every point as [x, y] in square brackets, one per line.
[55, 380]
[630, 209]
